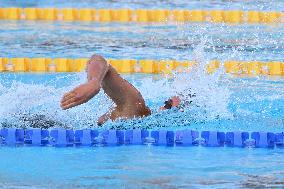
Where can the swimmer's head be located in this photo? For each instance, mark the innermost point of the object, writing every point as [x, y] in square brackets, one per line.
[170, 103]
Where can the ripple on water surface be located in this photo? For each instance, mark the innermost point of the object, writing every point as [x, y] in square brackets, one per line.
[141, 167]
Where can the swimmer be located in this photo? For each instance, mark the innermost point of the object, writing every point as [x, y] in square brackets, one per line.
[128, 100]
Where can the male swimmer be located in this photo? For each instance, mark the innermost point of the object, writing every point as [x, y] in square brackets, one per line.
[128, 100]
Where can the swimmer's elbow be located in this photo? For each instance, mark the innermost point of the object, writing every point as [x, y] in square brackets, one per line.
[98, 59]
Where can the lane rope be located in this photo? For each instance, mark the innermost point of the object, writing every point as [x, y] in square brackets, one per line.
[142, 15]
[90, 137]
[249, 68]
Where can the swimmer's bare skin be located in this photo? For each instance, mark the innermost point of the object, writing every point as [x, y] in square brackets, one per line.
[128, 100]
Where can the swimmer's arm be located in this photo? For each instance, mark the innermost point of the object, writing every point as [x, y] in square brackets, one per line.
[112, 114]
[96, 70]
[103, 118]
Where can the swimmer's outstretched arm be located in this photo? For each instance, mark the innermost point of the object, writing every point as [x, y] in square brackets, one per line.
[97, 68]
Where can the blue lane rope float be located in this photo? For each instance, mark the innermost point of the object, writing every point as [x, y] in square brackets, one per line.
[89, 137]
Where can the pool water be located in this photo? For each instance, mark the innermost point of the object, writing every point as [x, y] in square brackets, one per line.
[223, 102]
[252, 105]
[142, 41]
[141, 167]
[226, 104]
[243, 104]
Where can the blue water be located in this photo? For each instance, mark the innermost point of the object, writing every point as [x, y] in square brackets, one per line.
[141, 167]
[141, 41]
[230, 104]
[223, 102]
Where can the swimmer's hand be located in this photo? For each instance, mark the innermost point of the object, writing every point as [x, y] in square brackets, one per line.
[81, 94]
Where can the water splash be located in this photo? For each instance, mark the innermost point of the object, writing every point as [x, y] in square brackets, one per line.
[213, 101]
[25, 104]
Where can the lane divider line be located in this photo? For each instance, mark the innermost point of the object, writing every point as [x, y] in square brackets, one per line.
[247, 68]
[142, 15]
[94, 137]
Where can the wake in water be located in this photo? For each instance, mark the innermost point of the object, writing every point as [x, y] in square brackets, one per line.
[34, 105]
[215, 102]
[37, 105]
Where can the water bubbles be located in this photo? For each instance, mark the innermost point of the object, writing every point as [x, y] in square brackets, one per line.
[210, 101]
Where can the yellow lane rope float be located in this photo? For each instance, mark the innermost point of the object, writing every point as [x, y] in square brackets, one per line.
[142, 15]
[250, 68]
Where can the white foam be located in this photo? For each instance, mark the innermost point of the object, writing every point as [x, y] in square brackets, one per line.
[29, 100]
